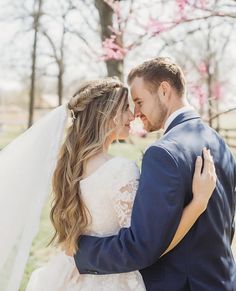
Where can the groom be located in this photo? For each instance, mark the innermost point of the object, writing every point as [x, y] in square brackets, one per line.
[203, 260]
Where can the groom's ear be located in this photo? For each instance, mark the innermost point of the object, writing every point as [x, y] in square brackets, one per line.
[164, 90]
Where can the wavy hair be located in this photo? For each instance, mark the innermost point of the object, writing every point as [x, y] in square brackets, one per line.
[95, 105]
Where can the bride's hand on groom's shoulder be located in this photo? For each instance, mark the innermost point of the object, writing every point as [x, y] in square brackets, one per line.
[204, 180]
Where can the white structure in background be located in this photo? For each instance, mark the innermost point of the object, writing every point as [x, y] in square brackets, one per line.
[8, 87]
[50, 99]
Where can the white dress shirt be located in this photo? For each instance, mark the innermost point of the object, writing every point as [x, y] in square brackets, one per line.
[175, 114]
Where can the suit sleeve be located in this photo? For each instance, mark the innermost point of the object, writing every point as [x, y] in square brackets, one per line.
[155, 217]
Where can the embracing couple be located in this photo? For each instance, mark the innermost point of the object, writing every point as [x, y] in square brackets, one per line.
[168, 229]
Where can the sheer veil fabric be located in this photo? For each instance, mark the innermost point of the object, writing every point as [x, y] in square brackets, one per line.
[26, 168]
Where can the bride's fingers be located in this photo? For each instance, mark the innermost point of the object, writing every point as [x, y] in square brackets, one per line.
[208, 161]
[209, 166]
[212, 168]
[198, 166]
[213, 171]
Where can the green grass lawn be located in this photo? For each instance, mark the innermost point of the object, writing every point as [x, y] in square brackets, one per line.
[8, 135]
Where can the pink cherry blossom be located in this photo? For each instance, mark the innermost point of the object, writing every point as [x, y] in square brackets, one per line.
[217, 90]
[112, 51]
[202, 68]
[182, 4]
[198, 91]
[156, 27]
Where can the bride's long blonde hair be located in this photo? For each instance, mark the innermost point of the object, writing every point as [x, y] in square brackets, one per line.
[95, 105]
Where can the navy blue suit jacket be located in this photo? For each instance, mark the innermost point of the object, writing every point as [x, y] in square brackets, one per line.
[203, 260]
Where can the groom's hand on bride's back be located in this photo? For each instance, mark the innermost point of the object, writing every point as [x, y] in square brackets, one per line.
[204, 179]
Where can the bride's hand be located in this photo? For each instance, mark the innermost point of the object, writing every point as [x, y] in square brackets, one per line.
[204, 182]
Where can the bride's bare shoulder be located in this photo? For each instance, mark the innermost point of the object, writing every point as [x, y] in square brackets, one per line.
[109, 165]
[119, 160]
[123, 166]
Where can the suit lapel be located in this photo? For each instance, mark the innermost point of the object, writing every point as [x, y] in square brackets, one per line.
[185, 116]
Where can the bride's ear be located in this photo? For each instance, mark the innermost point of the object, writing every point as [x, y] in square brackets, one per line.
[115, 121]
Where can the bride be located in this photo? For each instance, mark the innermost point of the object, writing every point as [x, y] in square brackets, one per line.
[93, 192]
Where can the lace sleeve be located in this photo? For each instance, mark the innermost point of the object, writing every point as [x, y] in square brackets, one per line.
[124, 198]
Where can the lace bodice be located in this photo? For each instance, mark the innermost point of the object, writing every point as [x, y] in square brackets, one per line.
[108, 194]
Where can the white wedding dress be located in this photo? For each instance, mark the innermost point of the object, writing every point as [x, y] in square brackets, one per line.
[108, 194]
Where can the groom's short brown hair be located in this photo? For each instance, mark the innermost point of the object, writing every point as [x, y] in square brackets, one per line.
[158, 70]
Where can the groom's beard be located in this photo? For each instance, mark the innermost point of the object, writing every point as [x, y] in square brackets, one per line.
[147, 125]
[159, 122]
[162, 111]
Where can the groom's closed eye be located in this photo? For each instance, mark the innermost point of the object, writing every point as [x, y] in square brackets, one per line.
[139, 103]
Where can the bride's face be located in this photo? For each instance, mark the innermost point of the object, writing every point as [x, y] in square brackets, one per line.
[122, 124]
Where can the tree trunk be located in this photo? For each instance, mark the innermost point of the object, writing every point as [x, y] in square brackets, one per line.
[37, 14]
[114, 67]
[61, 65]
[60, 83]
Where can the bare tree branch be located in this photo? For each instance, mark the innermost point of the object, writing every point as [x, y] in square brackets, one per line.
[221, 113]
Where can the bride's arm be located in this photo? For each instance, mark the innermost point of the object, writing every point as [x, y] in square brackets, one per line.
[202, 186]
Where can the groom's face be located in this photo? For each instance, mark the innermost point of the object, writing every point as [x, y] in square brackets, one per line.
[148, 105]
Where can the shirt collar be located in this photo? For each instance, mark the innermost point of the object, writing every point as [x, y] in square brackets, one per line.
[175, 114]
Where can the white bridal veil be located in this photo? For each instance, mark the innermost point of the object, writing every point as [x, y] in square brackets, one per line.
[26, 168]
